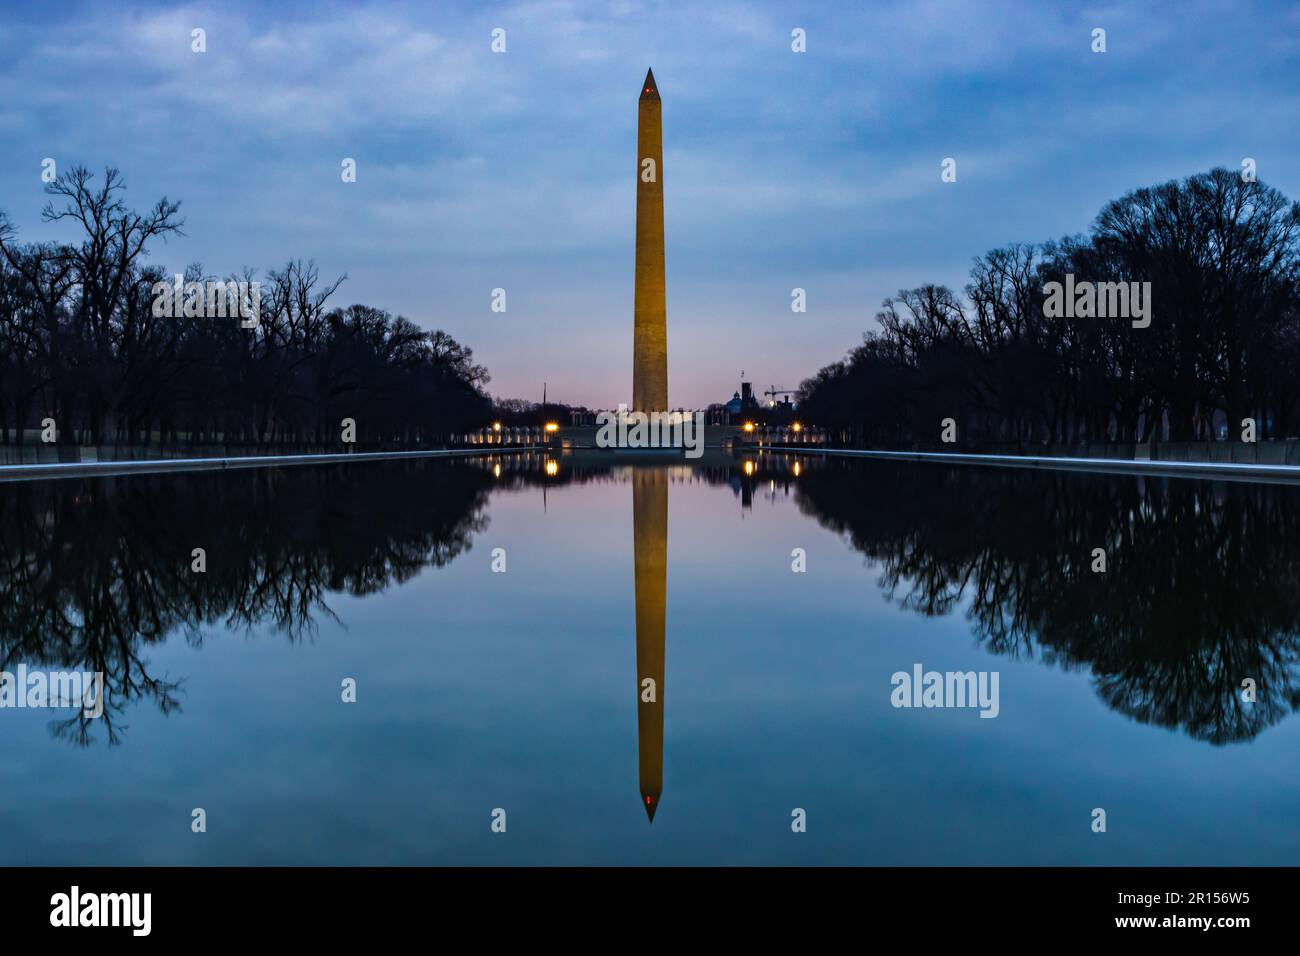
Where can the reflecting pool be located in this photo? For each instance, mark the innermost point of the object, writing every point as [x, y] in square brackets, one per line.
[631, 660]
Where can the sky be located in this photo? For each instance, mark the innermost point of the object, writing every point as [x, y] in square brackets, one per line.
[478, 170]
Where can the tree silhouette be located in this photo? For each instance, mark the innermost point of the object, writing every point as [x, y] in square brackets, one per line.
[81, 342]
[1223, 259]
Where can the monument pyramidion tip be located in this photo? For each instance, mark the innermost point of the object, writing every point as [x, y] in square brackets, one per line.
[648, 89]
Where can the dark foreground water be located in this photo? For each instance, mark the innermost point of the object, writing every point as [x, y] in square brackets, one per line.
[648, 650]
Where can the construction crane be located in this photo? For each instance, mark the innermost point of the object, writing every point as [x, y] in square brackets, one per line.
[772, 392]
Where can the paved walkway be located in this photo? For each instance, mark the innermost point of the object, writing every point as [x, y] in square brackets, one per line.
[78, 469]
[1217, 470]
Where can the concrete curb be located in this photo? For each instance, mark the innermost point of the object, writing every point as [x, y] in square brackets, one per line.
[159, 466]
[1217, 470]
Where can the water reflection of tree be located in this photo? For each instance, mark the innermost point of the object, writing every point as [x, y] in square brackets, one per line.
[93, 572]
[1202, 588]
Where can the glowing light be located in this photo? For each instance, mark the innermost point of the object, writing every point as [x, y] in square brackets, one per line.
[496, 426]
[749, 426]
[552, 468]
[749, 467]
[552, 427]
[797, 427]
[496, 471]
[796, 469]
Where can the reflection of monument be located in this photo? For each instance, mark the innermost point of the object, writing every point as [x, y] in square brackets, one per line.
[650, 323]
[650, 536]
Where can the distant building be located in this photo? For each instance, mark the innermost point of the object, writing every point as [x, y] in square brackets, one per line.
[743, 401]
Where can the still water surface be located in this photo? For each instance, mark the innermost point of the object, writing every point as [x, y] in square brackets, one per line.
[523, 690]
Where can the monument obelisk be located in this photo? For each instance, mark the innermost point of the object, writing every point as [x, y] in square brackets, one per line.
[650, 316]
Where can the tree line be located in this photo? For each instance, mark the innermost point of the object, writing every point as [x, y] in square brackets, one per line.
[1222, 256]
[82, 344]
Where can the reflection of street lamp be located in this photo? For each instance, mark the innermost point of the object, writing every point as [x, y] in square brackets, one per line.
[552, 468]
[749, 467]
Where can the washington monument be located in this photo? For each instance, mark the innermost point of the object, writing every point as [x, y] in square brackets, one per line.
[650, 322]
